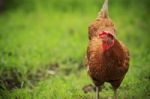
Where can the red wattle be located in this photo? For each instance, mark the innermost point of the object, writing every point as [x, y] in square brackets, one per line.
[105, 46]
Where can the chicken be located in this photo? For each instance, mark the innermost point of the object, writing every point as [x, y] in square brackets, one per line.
[107, 58]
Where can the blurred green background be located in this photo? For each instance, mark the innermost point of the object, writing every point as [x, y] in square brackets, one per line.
[43, 44]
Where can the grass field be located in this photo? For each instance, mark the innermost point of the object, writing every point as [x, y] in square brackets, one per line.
[43, 44]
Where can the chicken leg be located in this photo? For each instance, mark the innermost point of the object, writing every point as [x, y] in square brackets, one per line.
[97, 92]
[115, 94]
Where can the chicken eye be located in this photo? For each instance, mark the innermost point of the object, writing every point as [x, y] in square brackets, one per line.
[110, 36]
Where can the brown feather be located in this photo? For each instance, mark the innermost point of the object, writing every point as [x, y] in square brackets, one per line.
[107, 66]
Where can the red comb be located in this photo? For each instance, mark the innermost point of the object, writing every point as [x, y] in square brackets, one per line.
[102, 33]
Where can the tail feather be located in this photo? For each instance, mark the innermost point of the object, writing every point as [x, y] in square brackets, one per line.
[104, 11]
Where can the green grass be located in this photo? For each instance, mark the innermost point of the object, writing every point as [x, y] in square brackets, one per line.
[39, 36]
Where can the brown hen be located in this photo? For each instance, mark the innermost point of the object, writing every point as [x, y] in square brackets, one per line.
[107, 58]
